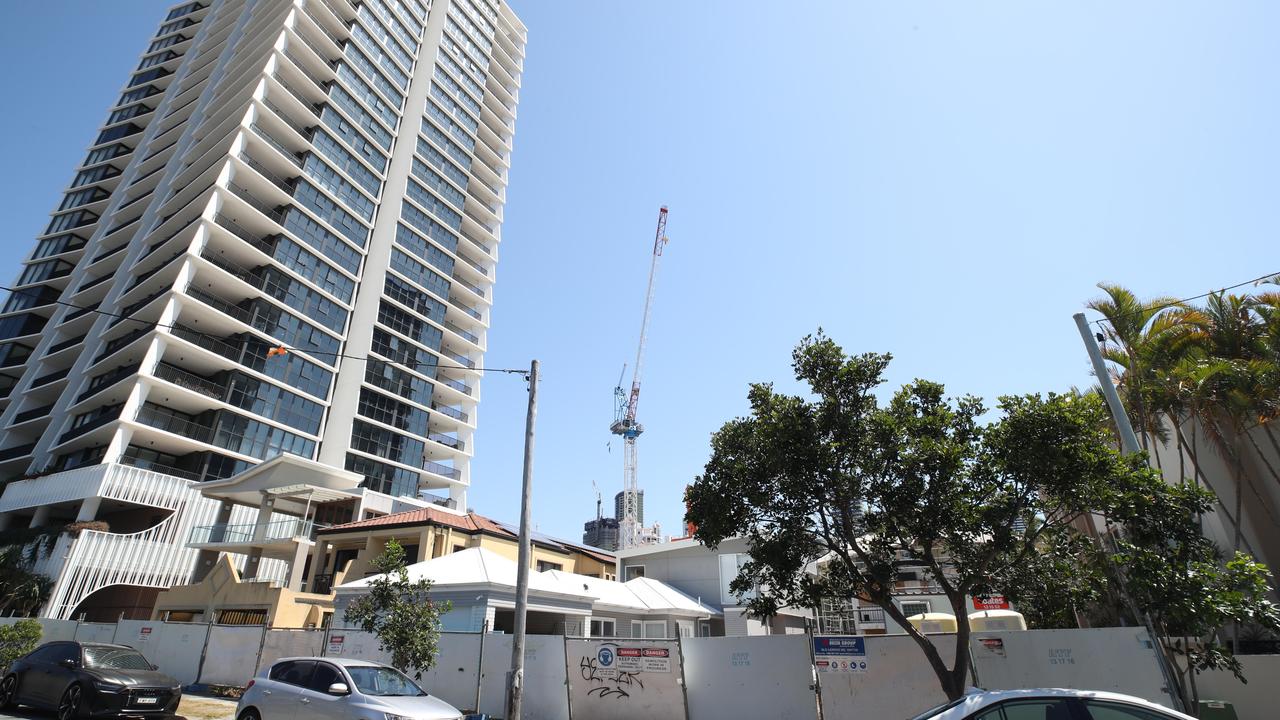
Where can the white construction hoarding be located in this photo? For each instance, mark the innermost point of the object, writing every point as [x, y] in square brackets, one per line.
[625, 679]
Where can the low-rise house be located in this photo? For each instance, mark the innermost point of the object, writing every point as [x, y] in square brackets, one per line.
[705, 574]
[481, 586]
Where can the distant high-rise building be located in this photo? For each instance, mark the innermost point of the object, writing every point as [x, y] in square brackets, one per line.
[601, 533]
[619, 511]
[283, 240]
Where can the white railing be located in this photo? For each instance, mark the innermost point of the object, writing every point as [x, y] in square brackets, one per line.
[156, 557]
[60, 487]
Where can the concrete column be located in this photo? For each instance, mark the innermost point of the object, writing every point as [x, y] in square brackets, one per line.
[41, 517]
[206, 558]
[300, 551]
[259, 533]
[89, 509]
[317, 563]
[424, 545]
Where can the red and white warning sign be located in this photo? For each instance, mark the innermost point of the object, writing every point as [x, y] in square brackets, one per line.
[991, 602]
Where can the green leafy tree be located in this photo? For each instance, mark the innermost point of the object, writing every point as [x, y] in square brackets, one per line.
[22, 590]
[1177, 577]
[401, 613]
[839, 481]
[17, 640]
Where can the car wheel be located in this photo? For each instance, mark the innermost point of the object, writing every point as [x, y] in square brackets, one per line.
[250, 714]
[69, 705]
[9, 692]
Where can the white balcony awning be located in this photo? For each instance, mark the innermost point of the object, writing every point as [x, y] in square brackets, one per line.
[295, 483]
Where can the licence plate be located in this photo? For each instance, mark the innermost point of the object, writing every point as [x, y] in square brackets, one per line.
[147, 700]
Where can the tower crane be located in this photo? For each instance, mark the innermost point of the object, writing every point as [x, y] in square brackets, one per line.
[624, 422]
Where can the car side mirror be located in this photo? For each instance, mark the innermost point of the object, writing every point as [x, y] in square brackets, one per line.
[339, 689]
[68, 663]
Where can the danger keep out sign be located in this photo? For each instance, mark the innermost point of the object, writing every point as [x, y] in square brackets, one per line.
[648, 659]
[840, 654]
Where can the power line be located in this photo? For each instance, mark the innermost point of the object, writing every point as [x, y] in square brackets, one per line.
[281, 347]
[1176, 303]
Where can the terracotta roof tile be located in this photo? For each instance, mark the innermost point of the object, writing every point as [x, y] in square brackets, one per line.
[470, 522]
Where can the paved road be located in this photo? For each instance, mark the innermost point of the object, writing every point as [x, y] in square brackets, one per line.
[192, 708]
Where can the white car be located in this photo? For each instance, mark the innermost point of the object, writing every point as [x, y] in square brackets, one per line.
[338, 689]
[1049, 704]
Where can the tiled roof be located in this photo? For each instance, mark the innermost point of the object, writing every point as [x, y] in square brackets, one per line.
[469, 523]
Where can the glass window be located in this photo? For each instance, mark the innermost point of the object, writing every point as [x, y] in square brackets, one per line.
[404, 293]
[324, 676]
[436, 182]
[328, 146]
[632, 572]
[1044, 709]
[914, 607]
[390, 411]
[429, 227]
[309, 265]
[380, 442]
[311, 304]
[379, 41]
[354, 137]
[1100, 710]
[293, 672]
[383, 478]
[437, 160]
[362, 63]
[437, 136]
[431, 203]
[603, 627]
[329, 245]
[649, 629]
[419, 273]
[114, 658]
[329, 179]
[328, 210]
[274, 403]
[343, 99]
[408, 325]
[383, 681]
[257, 439]
[45, 654]
[730, 565]
[352, 80]
[397, 380]
[444, 117]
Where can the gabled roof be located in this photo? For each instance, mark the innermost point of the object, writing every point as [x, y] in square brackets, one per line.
[478, 567]
[469, 522]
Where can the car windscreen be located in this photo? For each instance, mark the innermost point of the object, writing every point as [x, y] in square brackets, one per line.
[114, 658]
[385, 681]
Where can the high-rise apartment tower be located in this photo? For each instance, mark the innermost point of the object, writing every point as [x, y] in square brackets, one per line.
[283, 240]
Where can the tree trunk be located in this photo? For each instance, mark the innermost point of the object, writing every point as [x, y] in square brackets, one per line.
[1155, 453]
[1257, 449]
[1201, 477]
[945, 675]
[1272, 437]
[1239, 468]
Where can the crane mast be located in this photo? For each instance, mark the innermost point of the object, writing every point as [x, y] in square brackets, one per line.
[624, 423]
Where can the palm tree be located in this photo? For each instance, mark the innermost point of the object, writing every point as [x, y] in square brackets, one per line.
[1139, 337]
[1229, 343]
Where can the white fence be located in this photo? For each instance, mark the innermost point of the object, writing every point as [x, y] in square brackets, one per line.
[722, 677]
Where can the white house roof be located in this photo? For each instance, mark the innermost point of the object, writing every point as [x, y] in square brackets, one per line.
[473, 566]
[478, 567]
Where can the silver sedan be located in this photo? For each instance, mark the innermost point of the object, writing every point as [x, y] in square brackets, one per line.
[338, 689]
[1050, 704]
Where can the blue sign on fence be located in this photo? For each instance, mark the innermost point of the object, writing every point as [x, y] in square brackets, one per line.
[840, 654]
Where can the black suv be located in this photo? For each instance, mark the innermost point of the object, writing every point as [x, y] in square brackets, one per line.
[89, 680]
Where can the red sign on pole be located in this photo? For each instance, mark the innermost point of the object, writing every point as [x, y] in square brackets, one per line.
[991, 602]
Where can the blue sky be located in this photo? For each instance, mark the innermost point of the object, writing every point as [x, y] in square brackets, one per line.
[944, 181]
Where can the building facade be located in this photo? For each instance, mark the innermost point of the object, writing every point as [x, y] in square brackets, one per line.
[282, 241]
[619, 506]
[601, 532]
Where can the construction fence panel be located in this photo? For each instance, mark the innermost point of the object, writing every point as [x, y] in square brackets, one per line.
[173, 647]
[455, 675]
[229, 654]
[290, 643]
[761, 676]
[96, 632]
[625, 679]
[545, 694]
[355, 644]
[897, 681]
[51, 629]
[1120, 660]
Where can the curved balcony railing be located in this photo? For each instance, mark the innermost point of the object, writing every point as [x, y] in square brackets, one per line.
[242, 533]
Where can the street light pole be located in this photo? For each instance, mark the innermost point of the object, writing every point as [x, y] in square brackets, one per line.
[515, 679]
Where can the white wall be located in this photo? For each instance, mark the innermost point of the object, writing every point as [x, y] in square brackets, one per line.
[1255, 700]
[898, 682]
[741, 677]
